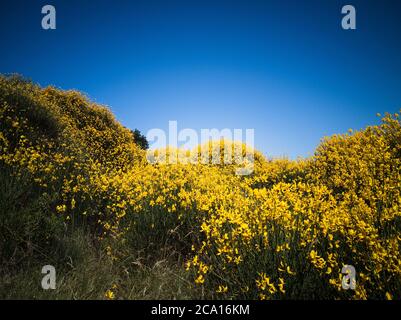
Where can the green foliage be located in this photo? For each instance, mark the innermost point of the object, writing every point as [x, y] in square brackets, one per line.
[140, 139]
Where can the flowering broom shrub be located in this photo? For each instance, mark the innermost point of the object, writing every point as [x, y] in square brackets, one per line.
[64, 154]
[283, 232]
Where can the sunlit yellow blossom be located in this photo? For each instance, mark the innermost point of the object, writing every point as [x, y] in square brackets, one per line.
[109, 295]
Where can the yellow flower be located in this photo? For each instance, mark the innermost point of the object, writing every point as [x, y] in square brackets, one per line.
[109, 295]
[281, 285]
[61, 208]
[289, 271]
[222, 289]
[200, 279]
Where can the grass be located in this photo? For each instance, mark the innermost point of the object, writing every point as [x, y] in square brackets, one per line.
[84, 271]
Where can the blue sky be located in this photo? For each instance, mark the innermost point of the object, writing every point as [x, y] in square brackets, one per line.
[284, 68]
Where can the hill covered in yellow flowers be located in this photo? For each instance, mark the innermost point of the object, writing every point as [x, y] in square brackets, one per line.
[78, 193]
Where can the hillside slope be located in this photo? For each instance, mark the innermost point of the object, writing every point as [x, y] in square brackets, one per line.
[78, 193]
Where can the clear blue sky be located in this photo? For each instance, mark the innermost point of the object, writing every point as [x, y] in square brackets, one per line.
[284, 68]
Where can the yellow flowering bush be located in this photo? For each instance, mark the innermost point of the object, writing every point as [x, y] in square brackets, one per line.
[61, 156]
[284, 231]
